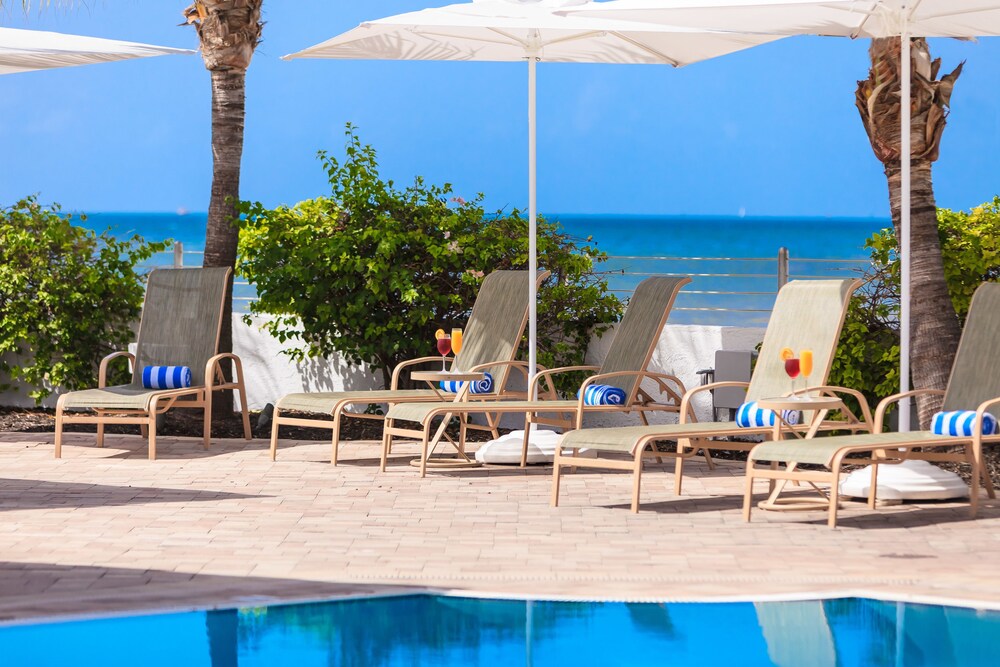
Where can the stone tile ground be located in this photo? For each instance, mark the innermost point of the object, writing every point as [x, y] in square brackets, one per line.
[106, 530]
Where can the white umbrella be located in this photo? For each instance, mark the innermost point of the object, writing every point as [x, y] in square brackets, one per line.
[30, 50]
[847, 18]
[526, 30]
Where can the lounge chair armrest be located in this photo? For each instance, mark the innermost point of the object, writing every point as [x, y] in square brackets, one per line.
[517, 364]
[980, 411]
[404, 364]
[102, 373]
[832, 390]
[661, 380]
[895, 398]
[686, 408]
[213, 364]
[563, 369]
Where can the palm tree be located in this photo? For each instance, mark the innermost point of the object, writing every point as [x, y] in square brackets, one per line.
[935, 330]
[229, 31]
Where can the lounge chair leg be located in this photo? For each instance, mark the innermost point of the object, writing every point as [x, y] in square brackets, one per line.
[152, 432]
[207, 426]
[679, 470]
[59, 428]
[386, 444]
[524, 443]
[555, 477]
[637, 480]
[425, 446]
[274, 434]
[748, 493]
[834, 492]
[242, 389]
[987, 482]
[974, 482]
[100, 434]
[143, 431]
[707, 453]
[873, 487]
[335, 454]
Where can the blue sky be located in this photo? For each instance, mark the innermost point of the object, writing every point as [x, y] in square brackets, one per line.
[768, 131]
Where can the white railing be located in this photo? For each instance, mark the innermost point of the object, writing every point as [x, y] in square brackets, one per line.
[737, 291]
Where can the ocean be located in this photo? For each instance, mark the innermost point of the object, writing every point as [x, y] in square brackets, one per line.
[733, 261]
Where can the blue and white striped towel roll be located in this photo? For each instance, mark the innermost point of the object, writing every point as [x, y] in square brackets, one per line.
[602, 394]
[960, 423]
[484, 386]
[750, 415]
[166, 377]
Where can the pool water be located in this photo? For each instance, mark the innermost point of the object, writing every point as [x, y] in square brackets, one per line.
[444, 631]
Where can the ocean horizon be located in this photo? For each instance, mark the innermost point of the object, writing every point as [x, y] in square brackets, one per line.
[645, 235]
[733, 261]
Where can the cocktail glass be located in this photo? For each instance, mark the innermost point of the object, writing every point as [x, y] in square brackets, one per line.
[444, 347]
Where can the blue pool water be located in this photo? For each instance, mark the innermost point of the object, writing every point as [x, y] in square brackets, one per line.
[446, 631]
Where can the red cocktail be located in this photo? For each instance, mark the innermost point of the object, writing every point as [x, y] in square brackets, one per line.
[444, 348]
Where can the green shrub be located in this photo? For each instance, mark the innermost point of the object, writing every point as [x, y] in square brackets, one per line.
[68, 297]
[371, 271]
[868, 356]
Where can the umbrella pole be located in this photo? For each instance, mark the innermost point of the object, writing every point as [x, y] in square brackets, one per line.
[904, 229]
[532, 227]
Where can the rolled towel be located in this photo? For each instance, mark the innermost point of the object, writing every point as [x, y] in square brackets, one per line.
[484, 386]
[750, 415]
[960, 423]
[166, 377]
[602, 394]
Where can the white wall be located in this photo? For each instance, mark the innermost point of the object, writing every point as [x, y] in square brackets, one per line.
[682, 351]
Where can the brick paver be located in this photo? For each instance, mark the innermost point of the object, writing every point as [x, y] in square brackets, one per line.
[107, 530]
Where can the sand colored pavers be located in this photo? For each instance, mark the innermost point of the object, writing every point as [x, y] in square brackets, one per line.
[107, 530]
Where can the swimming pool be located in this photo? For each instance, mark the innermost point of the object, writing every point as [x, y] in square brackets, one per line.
[445, 631]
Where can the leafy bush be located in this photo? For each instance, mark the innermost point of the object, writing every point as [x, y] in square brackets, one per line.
[868, 356]
[371, 271]
[68, 297]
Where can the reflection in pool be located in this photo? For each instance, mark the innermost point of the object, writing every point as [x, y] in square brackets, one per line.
[432, 630]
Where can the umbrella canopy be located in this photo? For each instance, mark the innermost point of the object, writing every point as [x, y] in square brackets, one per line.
[531, 31]
[30, 50]
[847, 18]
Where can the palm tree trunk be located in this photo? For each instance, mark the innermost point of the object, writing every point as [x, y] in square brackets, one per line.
[935, 331]
[229, 31]
[222, 231]
[934, 324]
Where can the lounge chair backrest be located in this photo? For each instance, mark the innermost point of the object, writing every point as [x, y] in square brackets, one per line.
[639, 331]
[975, 375]
[808, 314]
[181, 320]
[496, 323]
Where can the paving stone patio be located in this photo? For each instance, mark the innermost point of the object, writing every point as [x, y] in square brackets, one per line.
[106, 530]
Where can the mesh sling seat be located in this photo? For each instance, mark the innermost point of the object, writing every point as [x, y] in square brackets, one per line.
[491, 338]
[806, 314]
[180, 326]
[624, 367]
[974, 385]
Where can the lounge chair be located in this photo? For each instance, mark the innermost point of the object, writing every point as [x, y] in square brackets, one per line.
[974, 385]
[180, 326]
[625, 366]
[491, 338]
[806, 314]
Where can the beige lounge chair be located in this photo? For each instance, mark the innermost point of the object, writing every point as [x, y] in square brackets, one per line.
[974, 385]
[806, 314]
[180, 326]
[491, 338]
[625, 366]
